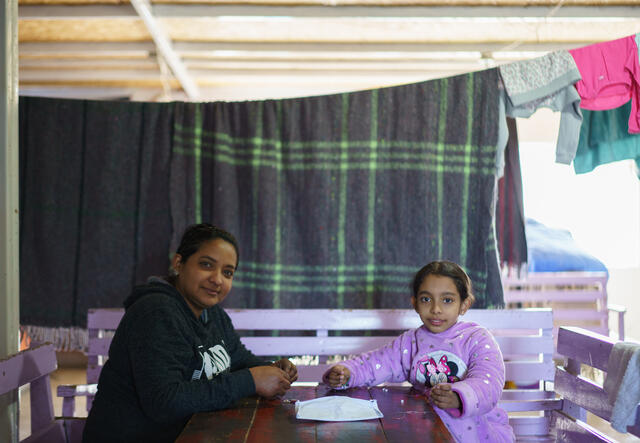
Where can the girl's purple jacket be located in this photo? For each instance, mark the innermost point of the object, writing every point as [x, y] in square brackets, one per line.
[466, 355]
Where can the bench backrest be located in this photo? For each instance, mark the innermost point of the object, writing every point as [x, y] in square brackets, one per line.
[581, 394]
[577, 298]
[33, 367]
[524, 335]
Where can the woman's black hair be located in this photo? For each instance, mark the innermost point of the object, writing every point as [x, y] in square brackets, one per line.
[196, 235]
[445, 269]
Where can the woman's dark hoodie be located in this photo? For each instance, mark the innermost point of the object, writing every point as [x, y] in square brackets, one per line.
[164, 365]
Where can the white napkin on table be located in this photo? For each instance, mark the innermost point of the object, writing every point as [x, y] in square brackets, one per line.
[337, 408]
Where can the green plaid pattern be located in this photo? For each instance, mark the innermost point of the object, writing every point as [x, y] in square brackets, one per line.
[338, 200]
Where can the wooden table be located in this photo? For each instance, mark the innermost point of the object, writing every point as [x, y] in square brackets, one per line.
[407, 418]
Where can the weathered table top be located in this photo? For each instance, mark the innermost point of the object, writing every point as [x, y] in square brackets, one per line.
[407, 418]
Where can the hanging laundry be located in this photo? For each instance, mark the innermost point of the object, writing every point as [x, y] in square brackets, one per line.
[545, 81]
[510, 229]
[605, 138]
[610, 76]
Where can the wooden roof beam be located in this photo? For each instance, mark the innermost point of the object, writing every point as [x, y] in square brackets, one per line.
[164, 10]
[343, 3]
[360, 30]
[163, 43]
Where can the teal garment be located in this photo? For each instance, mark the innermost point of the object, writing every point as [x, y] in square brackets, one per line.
[605, 138]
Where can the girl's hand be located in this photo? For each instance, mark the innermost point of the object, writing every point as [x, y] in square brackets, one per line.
[288, 367]
[443, 397]
[338, 376]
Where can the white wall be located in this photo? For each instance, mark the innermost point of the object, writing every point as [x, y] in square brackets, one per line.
[624, 289]
[601, 208]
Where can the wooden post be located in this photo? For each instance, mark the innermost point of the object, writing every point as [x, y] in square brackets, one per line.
[9, 206]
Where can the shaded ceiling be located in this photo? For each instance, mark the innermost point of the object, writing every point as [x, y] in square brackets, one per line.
[226, 50]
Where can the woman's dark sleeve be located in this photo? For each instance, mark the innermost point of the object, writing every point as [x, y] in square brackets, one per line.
[241, 357]
[161, 355]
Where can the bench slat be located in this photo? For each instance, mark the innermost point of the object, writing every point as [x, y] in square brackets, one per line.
[569, 279]
[581, 314]
[380, 319]
[583, 392]
[527, 394]
[525, 345]
[27, 366]
[525, 372]
[572, 431]
[530, 405]
[345, 345]
[526, 425]
[104, 318]
[570, 296]
[585, 346]
[99, 346]
[77, 390]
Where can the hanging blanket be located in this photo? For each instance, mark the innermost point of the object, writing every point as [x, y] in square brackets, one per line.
[94, 208]
[338, 200]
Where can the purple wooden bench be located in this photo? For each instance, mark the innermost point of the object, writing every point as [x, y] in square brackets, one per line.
[33, 367]
[524, 336]
[580, 394]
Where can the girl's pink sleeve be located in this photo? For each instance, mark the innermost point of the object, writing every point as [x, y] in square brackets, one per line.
[482, 385]
[390, 363]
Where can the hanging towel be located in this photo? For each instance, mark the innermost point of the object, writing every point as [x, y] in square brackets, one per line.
[338, 200]
[510, 225]
[610, 76]
[604, 138]
[546, 81]
[622, 384]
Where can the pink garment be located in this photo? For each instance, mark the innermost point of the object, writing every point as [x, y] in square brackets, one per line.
[466, 355]
[610, 77]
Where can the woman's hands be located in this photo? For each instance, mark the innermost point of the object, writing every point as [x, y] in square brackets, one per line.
[337, 376]
[288, 367]
[270, 381]
[444, 397]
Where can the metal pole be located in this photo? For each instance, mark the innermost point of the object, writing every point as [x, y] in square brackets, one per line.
[9, 206]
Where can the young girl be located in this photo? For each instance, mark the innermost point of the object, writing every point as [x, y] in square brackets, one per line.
[458, 364]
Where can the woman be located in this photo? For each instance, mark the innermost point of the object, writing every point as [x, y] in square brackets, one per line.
[176, 352]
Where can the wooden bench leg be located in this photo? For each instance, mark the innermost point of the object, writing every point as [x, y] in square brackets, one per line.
[68, 406]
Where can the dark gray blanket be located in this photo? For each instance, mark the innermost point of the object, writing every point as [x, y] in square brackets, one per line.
[338, 200]
[94, 180]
